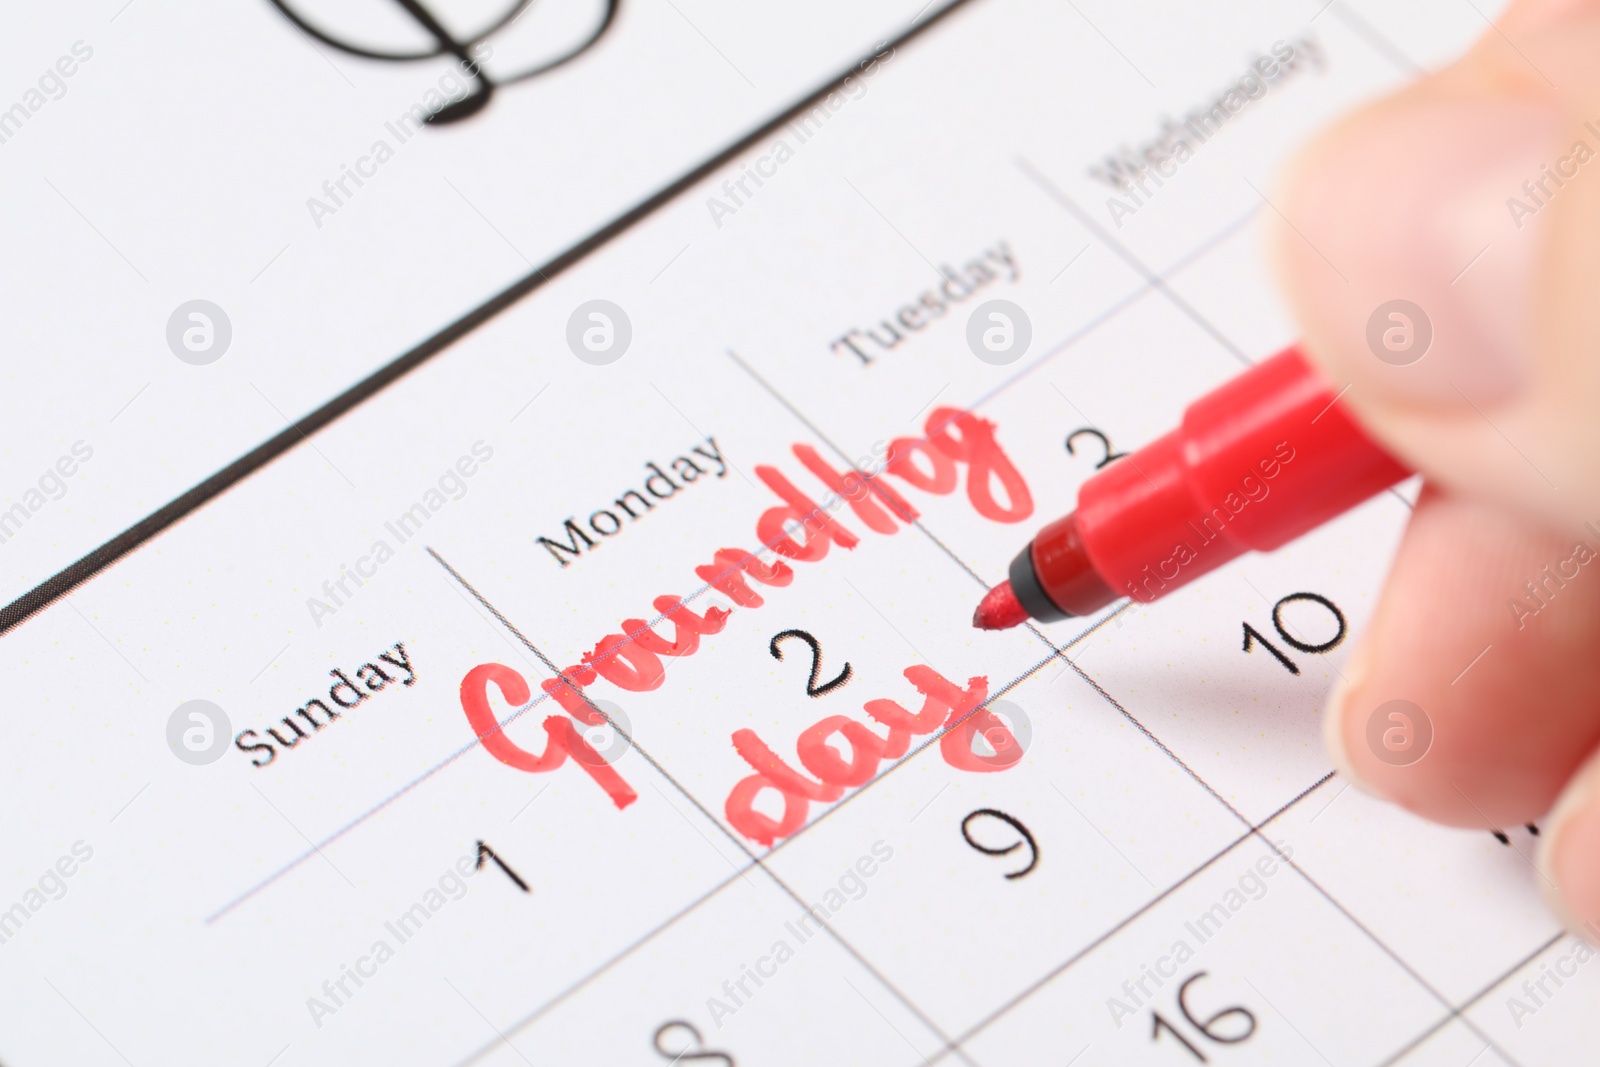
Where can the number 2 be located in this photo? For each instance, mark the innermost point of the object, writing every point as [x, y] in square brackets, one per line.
[812, 688]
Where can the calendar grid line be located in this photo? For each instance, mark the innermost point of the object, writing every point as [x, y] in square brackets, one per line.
[1227, 342]
[1072, 338]
[338, 833]
[932, 740]
[57, 585]
[921, 526]
[584, 981]
[515, 632]
[1251, 830]
[1460, 1010]
[1158, 283]
[1153, 282]
[952, 1046]
[1142, 291]
[727, 831]
[1380, 43]
[1055, 653]
[1391, 953]
[1088, 895]
[557, 999]
[739, 874]
[1453, 1011]
[539, 698]
[1114, 702]
[1387, 949]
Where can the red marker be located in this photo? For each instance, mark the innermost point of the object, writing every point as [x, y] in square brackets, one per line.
[1265, 458]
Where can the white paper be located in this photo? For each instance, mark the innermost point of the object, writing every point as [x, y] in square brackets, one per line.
[334, 905]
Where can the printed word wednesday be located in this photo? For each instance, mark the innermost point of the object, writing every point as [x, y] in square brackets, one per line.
[800, 530]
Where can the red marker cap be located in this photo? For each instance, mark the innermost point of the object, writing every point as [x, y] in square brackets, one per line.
[1257, 462]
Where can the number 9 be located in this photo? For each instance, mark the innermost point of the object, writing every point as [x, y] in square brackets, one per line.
[1024, 837]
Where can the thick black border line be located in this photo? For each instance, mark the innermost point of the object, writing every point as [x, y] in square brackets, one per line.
[58, 585]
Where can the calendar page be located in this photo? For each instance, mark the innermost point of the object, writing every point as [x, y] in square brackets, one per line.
[580, 668]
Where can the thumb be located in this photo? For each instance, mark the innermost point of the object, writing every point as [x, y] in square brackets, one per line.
[1437, 246]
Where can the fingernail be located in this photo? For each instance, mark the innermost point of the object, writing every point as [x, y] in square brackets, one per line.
[1428, 216]
[1333, 719]
[1569, 856]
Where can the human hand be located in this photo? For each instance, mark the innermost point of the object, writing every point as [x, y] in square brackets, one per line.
[1422, 197]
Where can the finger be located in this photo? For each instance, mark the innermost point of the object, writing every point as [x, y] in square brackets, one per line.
[1530, 16]
[1471, 196]
[1569, 857]
[1486, 631]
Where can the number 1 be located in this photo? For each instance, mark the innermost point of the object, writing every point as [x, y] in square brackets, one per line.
[1161, 1024]
[1250, 631]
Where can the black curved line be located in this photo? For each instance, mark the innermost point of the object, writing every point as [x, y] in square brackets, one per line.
[1027, 835]
[448, 45]
[612, 7]
[437, 32]
[1110, 453]
[812, 689]
[1318, 598]
[81, 570]
[310, 30]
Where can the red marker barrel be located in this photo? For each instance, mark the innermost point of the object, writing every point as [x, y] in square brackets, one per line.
[1259, 461]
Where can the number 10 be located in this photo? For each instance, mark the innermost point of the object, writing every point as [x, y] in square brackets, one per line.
[1252, 634]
